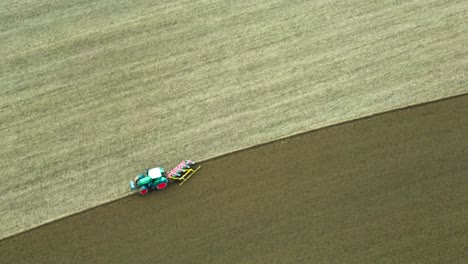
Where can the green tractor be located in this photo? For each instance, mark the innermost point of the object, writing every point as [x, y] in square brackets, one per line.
[155, 179]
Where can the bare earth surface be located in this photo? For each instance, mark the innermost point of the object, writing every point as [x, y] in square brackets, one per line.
[386, 189]
[93, 90]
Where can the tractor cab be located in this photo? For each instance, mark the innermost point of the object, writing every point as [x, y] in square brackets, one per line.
[155, 173]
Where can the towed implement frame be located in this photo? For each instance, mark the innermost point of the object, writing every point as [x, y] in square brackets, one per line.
[183, 171]
[187, 173]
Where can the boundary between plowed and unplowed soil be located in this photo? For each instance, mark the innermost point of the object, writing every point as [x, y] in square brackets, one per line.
[387, 188]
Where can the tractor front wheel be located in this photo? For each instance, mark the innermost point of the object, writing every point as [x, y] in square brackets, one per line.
[143, 190]
[137, 178]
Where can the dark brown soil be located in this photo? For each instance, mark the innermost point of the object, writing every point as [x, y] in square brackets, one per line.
[392, 188]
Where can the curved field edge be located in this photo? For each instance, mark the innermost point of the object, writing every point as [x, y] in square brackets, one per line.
[235, 152]
[93, 92]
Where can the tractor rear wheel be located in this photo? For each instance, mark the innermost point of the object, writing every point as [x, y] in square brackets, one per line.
[161, 183]
[143, 190]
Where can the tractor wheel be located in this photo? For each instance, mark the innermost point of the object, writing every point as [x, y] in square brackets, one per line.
[161, 183]
[143, 190]
[137, 178]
